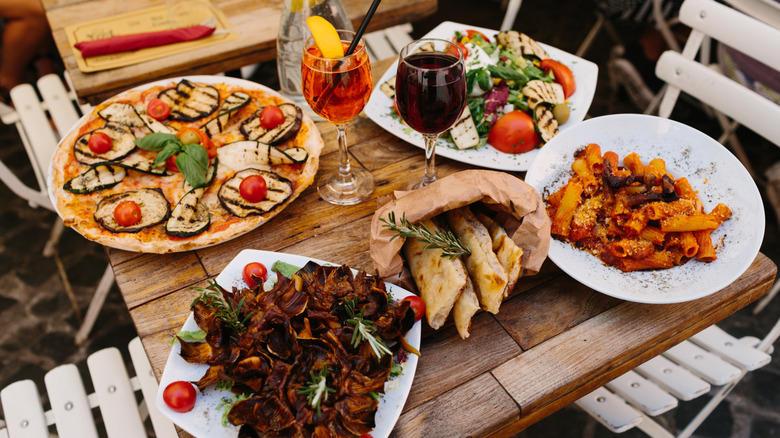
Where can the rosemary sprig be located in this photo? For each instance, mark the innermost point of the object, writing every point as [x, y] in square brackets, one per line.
[364, 329]
[316, 390]
[226, 313]
[450, 245]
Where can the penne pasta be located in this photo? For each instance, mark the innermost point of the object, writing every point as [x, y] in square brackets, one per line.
[593, 158]
[561, 222]
[634, 164]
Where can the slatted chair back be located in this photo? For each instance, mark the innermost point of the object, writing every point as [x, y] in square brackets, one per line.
[71, 412]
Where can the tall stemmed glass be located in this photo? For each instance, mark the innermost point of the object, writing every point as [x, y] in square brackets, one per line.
[430, 87]
[337, 89]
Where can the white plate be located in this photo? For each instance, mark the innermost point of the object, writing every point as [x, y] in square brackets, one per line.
[204, 420]
[380, 107]
[712, 171]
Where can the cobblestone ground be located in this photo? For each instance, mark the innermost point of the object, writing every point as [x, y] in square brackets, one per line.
[38, 321]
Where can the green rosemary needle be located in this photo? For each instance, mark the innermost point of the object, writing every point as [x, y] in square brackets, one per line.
[316, 390]
[226, 313]
[364, 330]
[449, 244]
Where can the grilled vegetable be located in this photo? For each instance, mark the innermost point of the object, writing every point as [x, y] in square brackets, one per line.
[279, 189]
[545, 122]
[190, 101]
[231, 104]
[122, 137]
[537, 91]
[97, 177]
[190, 217]
[154, 210]
[211, 172]
[243, 154]
[293, 116]
[521, 44]
[388, 87]
[142, 164]
[464, 131]
[155, 125]
[122, 114]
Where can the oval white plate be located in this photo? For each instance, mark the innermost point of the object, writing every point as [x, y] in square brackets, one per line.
[380, 107]
[206, 421]
[711, 169]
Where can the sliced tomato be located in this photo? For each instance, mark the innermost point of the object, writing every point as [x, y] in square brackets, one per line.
[170, 164]
[563, 75]
[454, 52]
[188, 134]
[514, 133]
[271, 117]
[180, 396]
[471, 32]
[100, 142]
[253, 272]
[157, 109]
[417, 304]
[127, 213]
[253, 188]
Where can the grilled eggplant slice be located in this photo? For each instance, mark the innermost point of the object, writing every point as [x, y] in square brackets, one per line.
[190, 101]
[142, 164]
[545, 122]
[121, 135]
[464, 131]
[279, 189]
[154, 210]
[190, 217]
[122, 114]
[537, 91]
[97, 177]
[243, 154]
[155, 125]
[293, 117]
[231, 104]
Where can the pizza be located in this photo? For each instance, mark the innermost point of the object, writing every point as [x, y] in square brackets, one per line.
[182, 164]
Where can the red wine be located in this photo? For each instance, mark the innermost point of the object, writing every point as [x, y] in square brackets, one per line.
[430, 91]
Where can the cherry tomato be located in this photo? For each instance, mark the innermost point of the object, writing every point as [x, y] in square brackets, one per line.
[563, 75]
[471, 32]
[253, 188]
[180, 396]
[514, 133]
[188, 136]
[170, 164]
[464, 51]
[253, 272]
[157, 109]
[417, 304]
[271, 117]
[127, 213]
[100, 142]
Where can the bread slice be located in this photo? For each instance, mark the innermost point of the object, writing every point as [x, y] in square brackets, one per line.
[509, 254]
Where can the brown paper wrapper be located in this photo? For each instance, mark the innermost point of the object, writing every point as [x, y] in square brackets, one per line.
[521, 211]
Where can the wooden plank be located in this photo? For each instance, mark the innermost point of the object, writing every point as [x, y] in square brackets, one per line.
[176, 307]
[574, 363]
[478, 406]
[150, 276]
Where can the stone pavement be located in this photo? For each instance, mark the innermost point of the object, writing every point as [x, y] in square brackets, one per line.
[38, 321]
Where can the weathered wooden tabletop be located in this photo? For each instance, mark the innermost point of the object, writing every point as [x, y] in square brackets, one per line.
[553, 341]
[255, 21]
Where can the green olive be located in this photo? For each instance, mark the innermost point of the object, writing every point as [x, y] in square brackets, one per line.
[190, 137]
[561, 113]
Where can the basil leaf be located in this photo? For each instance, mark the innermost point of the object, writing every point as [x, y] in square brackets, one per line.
[507, 73]
[483, 79]
[170, 149]
[155, 141]
[193, 162]
[470, 76]
[285, 269]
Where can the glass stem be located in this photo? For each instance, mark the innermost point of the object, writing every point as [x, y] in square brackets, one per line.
[346, 178]
[430, 159]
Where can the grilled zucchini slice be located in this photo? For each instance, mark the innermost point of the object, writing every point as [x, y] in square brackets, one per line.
[155, 125]
[121, 135]
[279, 189]
[293, 117]
[464, 131]
[544, 122]
[521, 44]
[190, 101]
[154, 210]
[242, 154]
[122, 114]
[537, 91]
[142, 164]
[189, 217]
[388, 87]
[232, 103]
[97, 177]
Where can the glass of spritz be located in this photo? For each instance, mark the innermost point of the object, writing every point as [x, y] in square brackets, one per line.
[337, 89]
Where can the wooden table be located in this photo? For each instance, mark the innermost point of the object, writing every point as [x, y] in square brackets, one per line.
[553, 342]
[255, 21]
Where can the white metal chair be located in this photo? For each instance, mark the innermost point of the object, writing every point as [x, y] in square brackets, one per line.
[31, 117]
[71, 408]
[387, 43]
[712, 357]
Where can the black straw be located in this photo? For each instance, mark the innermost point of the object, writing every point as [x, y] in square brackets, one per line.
[362, 28]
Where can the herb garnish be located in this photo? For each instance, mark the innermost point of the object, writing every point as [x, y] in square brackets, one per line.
[226, 313]
[191, 159]
[363, 329]
[316, 390]
[450, 245]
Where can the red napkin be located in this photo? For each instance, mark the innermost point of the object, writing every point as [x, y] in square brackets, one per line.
[137, 41]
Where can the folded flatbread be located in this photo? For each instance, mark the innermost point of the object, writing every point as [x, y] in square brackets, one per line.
[486, 271]
[440, 280]
[466, 306]
[509, 254]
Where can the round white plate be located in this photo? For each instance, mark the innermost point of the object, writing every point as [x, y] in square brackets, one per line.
[205, 421]
[380, 107]
[712, 171]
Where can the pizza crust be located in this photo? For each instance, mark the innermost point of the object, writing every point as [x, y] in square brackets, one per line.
[76, 210]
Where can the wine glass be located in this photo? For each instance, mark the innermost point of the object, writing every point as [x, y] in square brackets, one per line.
[337, 89]
[430, 87]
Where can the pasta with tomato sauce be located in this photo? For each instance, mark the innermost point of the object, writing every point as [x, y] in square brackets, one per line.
[633, 217]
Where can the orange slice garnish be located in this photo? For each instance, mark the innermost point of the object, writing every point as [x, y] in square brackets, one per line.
[326, 37]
